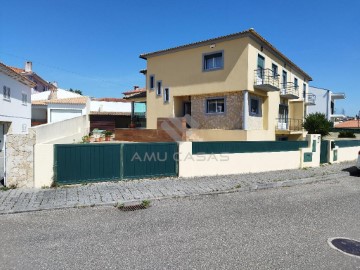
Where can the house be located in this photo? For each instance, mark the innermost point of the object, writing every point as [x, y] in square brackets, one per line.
[137, 97]
[325, 103]
[15, 106]
[109, 113]
[354, 124]
[41, 85]
[56, 105]
[233, 87]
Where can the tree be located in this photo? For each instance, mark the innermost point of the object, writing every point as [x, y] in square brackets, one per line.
[77, 91]
[316, 123]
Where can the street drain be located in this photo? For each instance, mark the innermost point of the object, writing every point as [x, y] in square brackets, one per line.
[133, 207]
[346, 246]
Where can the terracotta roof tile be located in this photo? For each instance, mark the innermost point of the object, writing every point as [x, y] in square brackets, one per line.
[348, 124]
[76, 100]
[110, 99]
[17, 70]
[139, 90]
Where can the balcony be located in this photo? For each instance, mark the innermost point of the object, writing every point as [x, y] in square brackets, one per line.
[288, 126]
[289, 91]
[265, 80]
[310, 99]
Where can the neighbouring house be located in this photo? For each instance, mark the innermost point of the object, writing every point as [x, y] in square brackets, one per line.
[109, 113]
[137, 97]
[41, 85]
[234, 87]
[325, 103]
[350, 124]
[56, 105]
[15, 107]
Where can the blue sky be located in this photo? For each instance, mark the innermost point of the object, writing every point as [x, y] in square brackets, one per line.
[95, 45]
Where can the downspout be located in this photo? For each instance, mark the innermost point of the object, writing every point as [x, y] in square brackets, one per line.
[245, 109]
[328, 104]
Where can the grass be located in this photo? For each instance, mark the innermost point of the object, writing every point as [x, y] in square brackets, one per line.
[8, 188]
[145, 203]
[238, 186]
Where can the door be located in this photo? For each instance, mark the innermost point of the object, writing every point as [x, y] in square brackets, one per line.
[260, 68]
[57, 115]
[2, 152]
[324, 148]
[187, 113]
[283, 122]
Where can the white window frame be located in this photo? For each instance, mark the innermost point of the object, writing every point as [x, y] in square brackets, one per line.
[6, 93]
[24, 99]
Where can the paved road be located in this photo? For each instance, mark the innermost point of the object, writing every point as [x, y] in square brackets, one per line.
[284, 228]
[109, 193]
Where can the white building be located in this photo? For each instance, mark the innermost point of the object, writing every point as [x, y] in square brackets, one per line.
[57, 105]
[15, 106]
[325, 103]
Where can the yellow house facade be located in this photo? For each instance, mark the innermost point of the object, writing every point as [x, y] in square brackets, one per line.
[234, 87]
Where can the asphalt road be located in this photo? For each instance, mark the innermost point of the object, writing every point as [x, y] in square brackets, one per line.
[283, 228]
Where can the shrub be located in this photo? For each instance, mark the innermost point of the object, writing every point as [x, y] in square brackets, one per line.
[316, 123]
[346, 134]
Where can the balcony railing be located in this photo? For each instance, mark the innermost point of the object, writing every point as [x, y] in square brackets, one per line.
[289, 91]
[266, 80]
[289, 124]
[310, 99]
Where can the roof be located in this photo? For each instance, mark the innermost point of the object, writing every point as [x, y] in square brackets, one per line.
[110, 113]
[61, 93]
[13, 74]
[75, 100]
[110, 99]
[25, 73]
[138, 93]
[247, 33]
[348, 124]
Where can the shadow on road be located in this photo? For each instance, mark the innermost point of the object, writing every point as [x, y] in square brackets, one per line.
[353, 171]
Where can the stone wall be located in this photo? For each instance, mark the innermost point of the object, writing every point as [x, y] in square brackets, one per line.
[20, 159]
[231, 119]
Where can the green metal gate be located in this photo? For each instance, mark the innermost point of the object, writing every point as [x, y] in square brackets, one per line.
[84, 163]
[150, 160]
[78, 163]
[324, 149]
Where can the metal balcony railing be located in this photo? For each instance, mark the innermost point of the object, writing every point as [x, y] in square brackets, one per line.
[266, 80]
[289, 90]
[289, 124]
[310, 99]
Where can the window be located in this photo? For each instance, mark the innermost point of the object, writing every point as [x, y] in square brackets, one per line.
[215, 105]
[296, 83]
[260, 66]
[255, 106]
[213, 61]
[24, 99]
[158, 88]
[274, 71]
[166, 95]
[152, 82]
[6, 93]
[284, 79]
[304, 90]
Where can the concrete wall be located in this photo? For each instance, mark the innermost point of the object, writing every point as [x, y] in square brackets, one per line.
[348, 153]
[322, 102]
[224, 164]
[105, 106]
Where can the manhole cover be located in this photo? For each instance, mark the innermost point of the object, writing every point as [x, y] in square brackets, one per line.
[346, 246]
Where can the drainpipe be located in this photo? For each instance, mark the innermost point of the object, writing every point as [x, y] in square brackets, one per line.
[328, 104]
[132, 111]
[246, 109]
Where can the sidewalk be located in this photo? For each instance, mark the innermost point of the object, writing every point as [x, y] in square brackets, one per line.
[110, 193]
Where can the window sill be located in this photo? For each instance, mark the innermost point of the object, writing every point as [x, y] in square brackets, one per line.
[214, 113]
[255, 115]
[213, 69]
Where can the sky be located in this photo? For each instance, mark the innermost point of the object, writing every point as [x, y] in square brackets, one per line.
[94, 46]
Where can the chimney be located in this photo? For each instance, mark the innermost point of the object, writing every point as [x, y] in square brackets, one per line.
[136, 87]
[54, 83]
[53, 94]
[28, 66]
